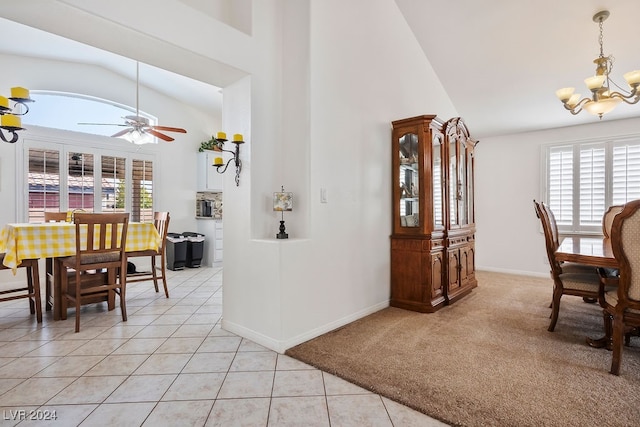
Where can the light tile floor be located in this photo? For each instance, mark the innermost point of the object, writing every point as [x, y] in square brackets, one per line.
[170, 364]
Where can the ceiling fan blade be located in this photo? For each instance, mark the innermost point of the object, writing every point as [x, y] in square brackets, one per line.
[103, 124]
[169, 129]
[159, 135]
[122, 132]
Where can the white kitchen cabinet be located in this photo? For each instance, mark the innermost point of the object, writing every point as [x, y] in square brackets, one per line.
[208, 178]
[212, 230]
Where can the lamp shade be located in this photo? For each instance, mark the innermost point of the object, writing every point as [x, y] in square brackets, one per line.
[282, 201]
[565, 93]
[603, 106]
[632, 77]
[594, 82]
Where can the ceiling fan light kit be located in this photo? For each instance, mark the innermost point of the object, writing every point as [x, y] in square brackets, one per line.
[603, 99]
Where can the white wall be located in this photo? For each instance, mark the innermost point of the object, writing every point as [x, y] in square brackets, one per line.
[364, 70]
[508, 178]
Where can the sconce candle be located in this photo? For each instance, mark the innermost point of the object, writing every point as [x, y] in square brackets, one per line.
[11, 121]
[19, 92]
[218, 162]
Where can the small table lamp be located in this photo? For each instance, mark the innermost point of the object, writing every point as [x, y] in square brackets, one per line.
[282, 202]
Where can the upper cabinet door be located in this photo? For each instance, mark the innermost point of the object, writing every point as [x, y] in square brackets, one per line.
[460, 173]
[418, 162]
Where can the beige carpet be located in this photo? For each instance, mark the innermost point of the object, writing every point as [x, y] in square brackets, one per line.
[488, 360]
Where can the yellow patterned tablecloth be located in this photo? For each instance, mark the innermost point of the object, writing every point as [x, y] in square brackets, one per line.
[57, 239]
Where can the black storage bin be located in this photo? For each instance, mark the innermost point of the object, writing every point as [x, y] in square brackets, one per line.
[176, 251]
[195, 248]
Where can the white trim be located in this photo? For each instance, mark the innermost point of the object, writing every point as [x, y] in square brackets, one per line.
[281, 346]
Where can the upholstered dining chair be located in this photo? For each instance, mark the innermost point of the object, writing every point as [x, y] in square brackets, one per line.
[609, 275]
[607, 219]
[568, 278]
[161, 222]
[98, 247]
[622, 304]
[32, 289]
[49, 273]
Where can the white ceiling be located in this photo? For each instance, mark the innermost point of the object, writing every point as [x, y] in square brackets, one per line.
[23, 40]
[500, 61]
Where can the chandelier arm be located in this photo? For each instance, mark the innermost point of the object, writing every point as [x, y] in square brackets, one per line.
[576, 109]
[632, 98]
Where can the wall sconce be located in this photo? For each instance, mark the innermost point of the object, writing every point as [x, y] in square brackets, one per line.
[9, 119]
[218, 162]
[282, 202]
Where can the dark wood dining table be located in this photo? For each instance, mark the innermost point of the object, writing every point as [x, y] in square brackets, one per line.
[594, 251]
[587, 250]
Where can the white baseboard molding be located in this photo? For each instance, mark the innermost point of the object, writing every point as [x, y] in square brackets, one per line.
[516, 272]
[280, 346]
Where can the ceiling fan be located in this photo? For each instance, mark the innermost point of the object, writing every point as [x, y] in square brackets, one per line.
[137, 126]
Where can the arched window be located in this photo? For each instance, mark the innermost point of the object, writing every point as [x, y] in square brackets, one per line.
[70, 111]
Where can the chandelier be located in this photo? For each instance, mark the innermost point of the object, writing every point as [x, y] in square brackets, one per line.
[9, 120]
[602, 99]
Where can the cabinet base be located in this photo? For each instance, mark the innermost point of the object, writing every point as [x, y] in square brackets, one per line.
[419, 307]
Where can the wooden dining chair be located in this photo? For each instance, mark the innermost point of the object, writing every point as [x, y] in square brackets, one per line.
[161, 222]
[568, 278]
[49, 273]
[607, 219]
[622, 304]
[31, 291]
[609, 275]
[98, 247]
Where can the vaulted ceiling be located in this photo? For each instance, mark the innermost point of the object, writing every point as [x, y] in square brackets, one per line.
[500, 61]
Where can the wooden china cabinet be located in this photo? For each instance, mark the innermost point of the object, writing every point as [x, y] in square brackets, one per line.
[432, 245]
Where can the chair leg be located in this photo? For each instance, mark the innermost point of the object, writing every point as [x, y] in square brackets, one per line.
[33, 283]
[49, 277]
[555, 308]
[163, 267]
[618, 336]
[154, 272]
[78, 300]
[123, 300]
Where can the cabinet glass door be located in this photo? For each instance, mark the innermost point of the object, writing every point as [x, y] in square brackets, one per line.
[409, 194]
[438, 182]
[453, 183]
[462, 183]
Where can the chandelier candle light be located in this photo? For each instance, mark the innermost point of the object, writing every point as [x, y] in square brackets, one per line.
[282, 202]
[9, 119]
[602, 99]
[218, 162]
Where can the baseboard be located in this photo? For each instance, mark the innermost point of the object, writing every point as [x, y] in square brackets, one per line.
[280, 346]
[516, 272]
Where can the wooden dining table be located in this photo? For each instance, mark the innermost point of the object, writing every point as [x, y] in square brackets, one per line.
[587, 250]
[20, 241]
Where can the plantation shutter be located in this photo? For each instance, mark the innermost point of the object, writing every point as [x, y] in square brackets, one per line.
[560, 183]
[626, 172]
[142, 191]
[592, 184]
